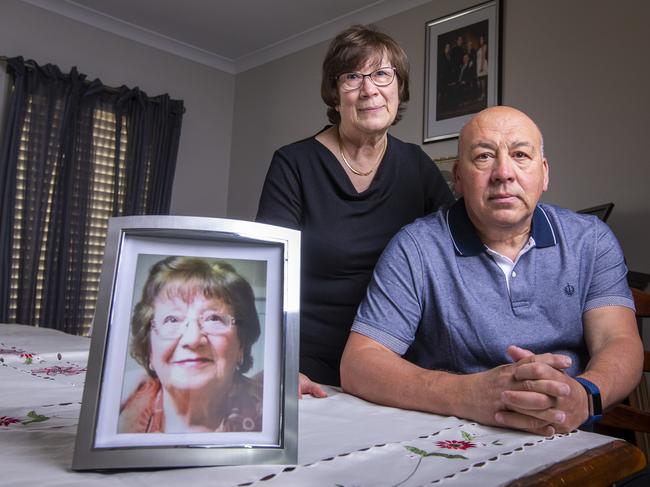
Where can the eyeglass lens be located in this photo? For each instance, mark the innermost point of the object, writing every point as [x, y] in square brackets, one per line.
[380, 77]
[173, 326]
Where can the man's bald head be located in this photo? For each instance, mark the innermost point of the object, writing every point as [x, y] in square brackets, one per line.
[497, 113]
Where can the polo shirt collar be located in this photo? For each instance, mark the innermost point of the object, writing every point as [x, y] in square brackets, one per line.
[467, 242]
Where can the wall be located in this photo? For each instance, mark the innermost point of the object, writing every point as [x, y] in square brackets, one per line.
[578, 68]
[201, 182]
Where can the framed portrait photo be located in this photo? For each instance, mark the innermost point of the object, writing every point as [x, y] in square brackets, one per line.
[462, 68]
[194, 351]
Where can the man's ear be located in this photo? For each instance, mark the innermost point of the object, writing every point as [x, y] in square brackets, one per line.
[546, 171]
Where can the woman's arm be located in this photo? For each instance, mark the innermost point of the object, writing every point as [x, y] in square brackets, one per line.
[281, 199]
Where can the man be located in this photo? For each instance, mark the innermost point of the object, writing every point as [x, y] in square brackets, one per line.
[494, 279]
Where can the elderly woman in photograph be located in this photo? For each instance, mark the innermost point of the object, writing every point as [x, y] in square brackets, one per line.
[349, 189]
[192, 332]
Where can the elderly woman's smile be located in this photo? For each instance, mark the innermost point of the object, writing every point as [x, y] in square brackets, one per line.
[194, 344]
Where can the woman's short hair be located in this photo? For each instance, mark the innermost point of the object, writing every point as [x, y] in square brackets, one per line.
[187, 277]
[349, 51]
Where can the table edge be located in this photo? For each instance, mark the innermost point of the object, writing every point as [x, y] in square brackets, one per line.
[599, 466]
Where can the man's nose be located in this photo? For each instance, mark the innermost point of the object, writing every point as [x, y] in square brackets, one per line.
[503, 169]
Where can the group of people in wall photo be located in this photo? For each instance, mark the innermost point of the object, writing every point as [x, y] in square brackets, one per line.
[462, 71]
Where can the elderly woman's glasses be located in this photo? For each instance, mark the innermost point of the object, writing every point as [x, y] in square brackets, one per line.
[380, 77]
[173, 326]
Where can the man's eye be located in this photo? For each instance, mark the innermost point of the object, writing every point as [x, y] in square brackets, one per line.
[483, 157]
[520, 155]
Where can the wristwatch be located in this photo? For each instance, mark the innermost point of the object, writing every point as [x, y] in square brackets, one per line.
[595, 404]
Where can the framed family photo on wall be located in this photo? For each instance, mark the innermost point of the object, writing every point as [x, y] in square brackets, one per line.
[462, 68]
[193, 357]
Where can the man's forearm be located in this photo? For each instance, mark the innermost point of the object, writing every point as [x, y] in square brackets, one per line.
[373, 372]
[616, 352]
[380, 376]
[616, 377]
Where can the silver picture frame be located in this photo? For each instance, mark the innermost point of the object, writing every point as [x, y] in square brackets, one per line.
[456, 88]
[271, 255]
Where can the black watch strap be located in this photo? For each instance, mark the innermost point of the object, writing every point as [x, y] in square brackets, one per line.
[595, 404]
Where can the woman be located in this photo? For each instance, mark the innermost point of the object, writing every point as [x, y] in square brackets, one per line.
[192, 332]
[482, 67]
[349, 189]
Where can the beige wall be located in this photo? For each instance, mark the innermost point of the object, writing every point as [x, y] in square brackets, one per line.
[201, 183]
[578, 68]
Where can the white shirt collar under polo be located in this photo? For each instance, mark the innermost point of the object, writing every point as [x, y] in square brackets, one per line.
[505, 264]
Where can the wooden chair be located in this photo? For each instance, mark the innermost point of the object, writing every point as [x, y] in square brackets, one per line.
[631, 419]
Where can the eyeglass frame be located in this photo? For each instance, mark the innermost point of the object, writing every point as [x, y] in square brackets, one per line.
[183, 325]
[369, 75]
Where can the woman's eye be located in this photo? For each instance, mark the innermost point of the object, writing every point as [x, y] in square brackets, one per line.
[352, 76]
[172, 319]
[212, 318]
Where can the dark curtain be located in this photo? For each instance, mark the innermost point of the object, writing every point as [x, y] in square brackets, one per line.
[60, 113]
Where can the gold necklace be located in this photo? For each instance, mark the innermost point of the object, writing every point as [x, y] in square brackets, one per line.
[359, 173]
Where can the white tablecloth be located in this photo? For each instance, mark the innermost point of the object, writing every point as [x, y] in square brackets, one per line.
[343, 440]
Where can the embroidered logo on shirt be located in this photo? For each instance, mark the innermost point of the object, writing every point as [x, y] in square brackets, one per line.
[569, 290]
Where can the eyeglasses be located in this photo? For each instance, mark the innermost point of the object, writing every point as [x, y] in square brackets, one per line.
[380, 77]
[173, 326]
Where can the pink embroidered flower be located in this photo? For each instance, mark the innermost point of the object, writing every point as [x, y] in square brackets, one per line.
[455, 444]
[6, 420]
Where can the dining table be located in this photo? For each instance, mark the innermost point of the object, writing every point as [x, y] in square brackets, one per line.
[342, 439]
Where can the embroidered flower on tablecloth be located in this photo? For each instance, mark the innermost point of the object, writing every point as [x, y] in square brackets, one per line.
[11, 351]
[28, 357]
[58, 370]
[7, 420]
[456, 444]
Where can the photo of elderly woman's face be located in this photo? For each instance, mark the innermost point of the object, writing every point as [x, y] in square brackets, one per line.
[194, 326]
[194, 342]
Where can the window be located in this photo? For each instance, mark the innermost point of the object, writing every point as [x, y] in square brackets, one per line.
[102, 200]
[73, 154]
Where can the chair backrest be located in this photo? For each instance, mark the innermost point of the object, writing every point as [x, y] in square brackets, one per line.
[631, 420]
[641, 302]
[601, 211]
[642, 305]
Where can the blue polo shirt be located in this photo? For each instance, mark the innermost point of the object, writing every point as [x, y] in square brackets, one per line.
[441, 301]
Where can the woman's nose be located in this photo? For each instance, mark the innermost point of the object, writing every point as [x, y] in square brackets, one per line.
[192, 333]
[367, 86]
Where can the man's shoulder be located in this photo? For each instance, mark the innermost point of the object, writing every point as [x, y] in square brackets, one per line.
[428, 230]
[571, 223]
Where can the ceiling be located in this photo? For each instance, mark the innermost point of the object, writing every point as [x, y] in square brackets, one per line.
[230, 35]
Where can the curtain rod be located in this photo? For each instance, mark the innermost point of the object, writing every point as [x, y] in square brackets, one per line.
[111, 89]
